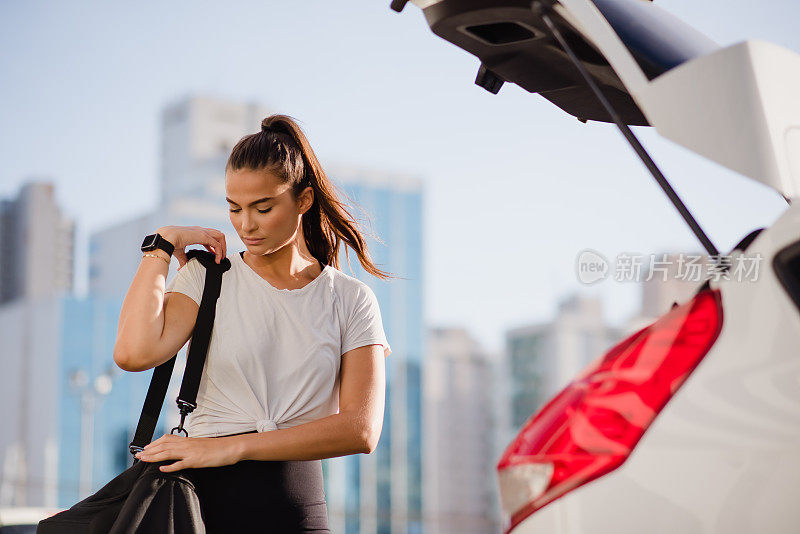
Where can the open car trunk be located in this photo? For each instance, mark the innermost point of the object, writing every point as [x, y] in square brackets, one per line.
[736, 105]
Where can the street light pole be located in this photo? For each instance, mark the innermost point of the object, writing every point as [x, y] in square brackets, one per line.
[91, 397]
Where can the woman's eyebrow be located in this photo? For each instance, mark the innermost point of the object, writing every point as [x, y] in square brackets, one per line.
[252, 203]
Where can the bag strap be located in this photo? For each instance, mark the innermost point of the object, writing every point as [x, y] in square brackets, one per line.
[195, 359]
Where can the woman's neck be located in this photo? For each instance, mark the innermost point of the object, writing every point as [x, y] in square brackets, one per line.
[290, 269]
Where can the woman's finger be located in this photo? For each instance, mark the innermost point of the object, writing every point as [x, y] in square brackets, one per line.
[221, 240]
[150, 449]
[154, 443]
[160, 443]
[157, 456]
[216, 233]
[217, 249]
[177, 466]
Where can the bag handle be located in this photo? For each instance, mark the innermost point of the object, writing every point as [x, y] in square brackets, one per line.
[195, 359]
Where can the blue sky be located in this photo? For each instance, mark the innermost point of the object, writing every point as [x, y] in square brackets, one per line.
[515, 187]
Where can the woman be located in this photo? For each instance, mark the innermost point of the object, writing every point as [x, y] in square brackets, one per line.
[295, 367]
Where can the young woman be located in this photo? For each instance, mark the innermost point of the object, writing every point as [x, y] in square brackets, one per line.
[295, 367]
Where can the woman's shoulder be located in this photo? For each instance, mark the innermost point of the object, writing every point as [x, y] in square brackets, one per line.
[344, 281]
[351, 291]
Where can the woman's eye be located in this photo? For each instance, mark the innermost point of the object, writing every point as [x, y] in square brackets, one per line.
[259, 211]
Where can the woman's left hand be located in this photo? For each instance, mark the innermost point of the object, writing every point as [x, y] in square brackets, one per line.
[190, 452]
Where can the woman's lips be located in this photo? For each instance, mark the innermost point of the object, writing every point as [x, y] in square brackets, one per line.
[253, 241]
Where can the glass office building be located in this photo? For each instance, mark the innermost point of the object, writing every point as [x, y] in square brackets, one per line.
[99, 404]
[383, 491]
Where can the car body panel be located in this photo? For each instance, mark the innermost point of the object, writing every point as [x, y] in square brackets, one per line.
[739, 107]
[19, 519]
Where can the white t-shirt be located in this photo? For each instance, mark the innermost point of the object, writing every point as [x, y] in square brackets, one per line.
[274, 356]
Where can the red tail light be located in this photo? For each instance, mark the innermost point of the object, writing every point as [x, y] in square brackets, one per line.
[591, 427]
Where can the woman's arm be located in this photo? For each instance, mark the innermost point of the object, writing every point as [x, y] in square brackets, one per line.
[152, 327]
[141, 319]
[355, 429]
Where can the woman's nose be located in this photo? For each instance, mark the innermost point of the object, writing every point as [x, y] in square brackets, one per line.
[248, 223]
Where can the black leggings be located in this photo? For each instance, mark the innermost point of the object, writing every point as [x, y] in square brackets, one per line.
[262, 496]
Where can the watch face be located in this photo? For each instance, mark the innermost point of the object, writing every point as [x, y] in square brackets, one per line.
[149, 242]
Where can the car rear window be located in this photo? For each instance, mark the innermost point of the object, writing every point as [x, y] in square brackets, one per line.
[657, 40]
[787, 268]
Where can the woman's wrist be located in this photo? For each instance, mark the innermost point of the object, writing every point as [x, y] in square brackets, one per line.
[168, 236]
[159, 253]
[236, 447]
[166, 233]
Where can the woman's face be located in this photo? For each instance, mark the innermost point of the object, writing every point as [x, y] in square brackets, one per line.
[275, 221]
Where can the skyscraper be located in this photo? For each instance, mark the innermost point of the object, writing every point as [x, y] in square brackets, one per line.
[543, 358]
[36, 277]
[383, 490]
[38, 243]
[197, 135]
[674, 277]
[460, 424]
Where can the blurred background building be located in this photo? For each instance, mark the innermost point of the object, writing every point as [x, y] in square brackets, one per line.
[460, 424]
[37, 242]
[67, 408]
[673, 280]
[35, 276]
[382, 492]
[543, 358]
[197, 135]
[55, 360]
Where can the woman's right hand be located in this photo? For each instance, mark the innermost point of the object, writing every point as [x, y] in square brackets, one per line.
[183, 236]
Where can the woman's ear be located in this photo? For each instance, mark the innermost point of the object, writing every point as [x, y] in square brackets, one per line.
[306, 199]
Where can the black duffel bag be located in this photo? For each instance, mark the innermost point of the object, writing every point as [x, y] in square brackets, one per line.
[143, 499]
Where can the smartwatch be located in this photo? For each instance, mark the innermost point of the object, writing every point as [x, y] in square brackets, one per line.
[154, 241]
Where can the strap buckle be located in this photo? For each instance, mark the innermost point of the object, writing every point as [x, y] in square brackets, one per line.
[185, 408]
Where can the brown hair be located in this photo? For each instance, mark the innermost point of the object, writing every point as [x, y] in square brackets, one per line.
[281, 148]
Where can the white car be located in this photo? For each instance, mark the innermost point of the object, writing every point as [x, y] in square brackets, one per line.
[691, 424]
[23, 519]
